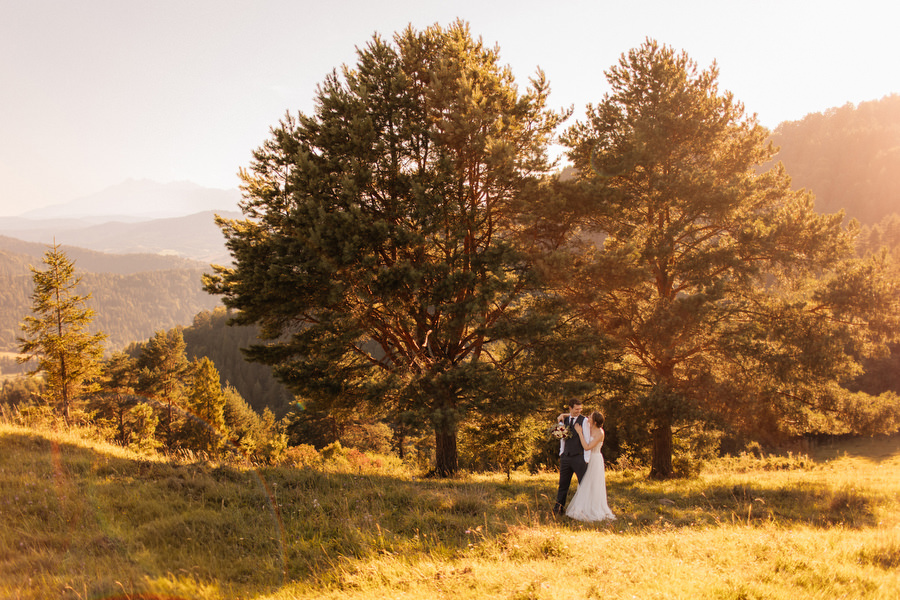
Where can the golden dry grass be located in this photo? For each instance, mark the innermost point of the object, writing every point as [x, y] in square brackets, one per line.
[80, 519]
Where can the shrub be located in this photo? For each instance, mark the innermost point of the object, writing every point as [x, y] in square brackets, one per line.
[358, 460]
[302, 455]
[754, 449]
[849, 507]
[334, 455]
[630, 459]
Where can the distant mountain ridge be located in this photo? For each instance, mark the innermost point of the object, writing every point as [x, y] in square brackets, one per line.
[142, 199]
[92, 261]
[194, 237]
[136, 216]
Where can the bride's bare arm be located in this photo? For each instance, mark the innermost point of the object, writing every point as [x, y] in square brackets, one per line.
[598, 439]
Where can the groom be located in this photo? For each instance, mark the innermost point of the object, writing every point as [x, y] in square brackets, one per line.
[572, 455]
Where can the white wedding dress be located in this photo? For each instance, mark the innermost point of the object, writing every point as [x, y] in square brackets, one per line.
[589, 502]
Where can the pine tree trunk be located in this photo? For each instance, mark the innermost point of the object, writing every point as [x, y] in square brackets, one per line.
[446, 458]
[121, 412]
[661, 466]
[401, 439]
[64, 376]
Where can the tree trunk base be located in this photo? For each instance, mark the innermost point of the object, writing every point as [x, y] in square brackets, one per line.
[446, 456]
[661, 465]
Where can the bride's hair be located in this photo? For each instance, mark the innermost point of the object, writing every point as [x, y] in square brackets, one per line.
[597, 418]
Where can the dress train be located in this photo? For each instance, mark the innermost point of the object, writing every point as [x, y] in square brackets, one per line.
[589, 502]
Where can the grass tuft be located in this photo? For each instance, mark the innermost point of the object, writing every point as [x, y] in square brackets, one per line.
[882, 553]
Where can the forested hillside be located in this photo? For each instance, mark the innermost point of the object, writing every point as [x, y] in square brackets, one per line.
[132, 295]
[211, 336]
[849, 157]
[192, 237]
[92, 261]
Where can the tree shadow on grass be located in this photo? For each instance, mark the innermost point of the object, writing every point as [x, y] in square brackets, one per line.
[809, 504]
[876, 448]
[95, 517]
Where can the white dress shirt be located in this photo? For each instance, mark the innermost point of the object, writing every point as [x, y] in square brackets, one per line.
[585, 429]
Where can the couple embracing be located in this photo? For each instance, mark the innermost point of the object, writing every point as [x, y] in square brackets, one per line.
[579, 454]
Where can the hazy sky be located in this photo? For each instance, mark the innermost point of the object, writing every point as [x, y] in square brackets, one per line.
[98, 91]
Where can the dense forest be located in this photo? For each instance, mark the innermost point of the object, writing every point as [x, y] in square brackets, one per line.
[884, 234]
[848, 157]
[132, 295]
[210, 336]
[882, 374]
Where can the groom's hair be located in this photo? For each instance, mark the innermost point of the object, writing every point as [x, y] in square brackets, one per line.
[574, 401]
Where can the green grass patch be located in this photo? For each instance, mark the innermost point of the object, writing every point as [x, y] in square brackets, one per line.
[80, 520]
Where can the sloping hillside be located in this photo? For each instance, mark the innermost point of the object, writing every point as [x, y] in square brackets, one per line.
[94, 261]
[194, 237]
[132, 295]
[848, 156]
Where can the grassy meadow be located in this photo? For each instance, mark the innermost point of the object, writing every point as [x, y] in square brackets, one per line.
[84, 520]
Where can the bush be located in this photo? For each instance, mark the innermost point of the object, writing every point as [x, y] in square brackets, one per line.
[302, 455]
[630, 459]
[694, 446]
[754, 449]
[686, 465]
[334, 455]
[359, 461]
[272, 450]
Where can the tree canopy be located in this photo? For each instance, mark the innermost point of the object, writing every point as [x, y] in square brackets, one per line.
[730, 297]
[381, 253]
[405, 251]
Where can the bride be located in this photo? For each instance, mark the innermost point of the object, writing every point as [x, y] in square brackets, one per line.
[589, 502]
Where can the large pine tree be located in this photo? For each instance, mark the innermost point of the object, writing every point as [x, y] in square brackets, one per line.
[726, 292]
[378, 252]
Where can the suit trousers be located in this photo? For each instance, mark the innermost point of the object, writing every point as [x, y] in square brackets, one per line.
[569, 464]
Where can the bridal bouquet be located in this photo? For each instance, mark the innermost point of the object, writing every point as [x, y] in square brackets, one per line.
[560, 431]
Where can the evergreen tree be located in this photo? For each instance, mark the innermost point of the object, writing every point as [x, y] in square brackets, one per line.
[205, 430]
[704, 271]
[117, 394]
[55, 334]
[242, 423]
[211, 336]
[379, 252]
[163, 366]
